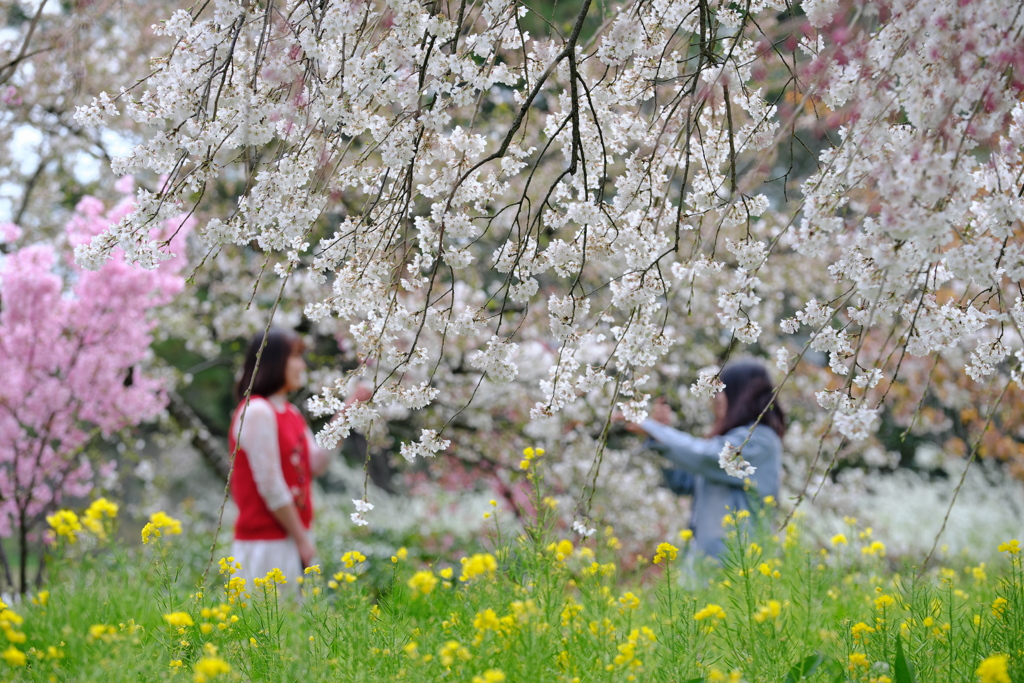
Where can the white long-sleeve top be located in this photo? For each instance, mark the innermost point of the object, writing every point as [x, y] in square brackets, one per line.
[257, 436]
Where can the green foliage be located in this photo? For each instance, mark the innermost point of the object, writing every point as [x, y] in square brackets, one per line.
[528, 606]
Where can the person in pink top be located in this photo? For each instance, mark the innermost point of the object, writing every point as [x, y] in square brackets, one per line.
[276, 459]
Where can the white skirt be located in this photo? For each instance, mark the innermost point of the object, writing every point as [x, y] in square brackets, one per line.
[258, 558]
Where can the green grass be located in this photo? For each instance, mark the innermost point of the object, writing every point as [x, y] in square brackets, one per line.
[548, 611]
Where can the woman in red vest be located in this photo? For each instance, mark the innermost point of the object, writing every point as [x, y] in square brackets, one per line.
[275, 461]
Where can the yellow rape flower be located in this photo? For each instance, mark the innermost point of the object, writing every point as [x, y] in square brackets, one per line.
[486, 621]
[711, 611]
[102, 631]
[65, 523]
[993, 670]
[529, 455]
[9, 617]
[209, 667]
[228, 566]
[666, 551]
[838, 540]
[451, 651]
[771, 610]
[1011, 547]
[274, 576]
[876, 549]
[860, 629]
[858, 659]
[14, 657]
[42, 597]
[478, 565]
[490, 676]
[685, 535]
[422, 583]
[101, 508]
[352, 558]
[561, 550]
[178, 619]
[999, 606]
[569, 612]
[629, 601]
[883, 601]
[160, 523]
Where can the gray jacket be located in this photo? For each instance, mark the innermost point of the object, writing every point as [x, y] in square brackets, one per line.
[715, 493]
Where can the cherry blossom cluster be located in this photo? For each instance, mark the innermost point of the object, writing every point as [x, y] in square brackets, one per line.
[490, 216]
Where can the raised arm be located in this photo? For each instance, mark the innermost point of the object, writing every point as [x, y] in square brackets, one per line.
[700, 456]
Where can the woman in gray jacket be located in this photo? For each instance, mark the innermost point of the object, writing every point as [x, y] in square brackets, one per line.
[747, 418]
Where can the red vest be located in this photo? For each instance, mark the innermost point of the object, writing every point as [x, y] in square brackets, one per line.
[255, 523]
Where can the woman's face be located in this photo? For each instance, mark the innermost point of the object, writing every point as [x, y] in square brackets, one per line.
[295, 371]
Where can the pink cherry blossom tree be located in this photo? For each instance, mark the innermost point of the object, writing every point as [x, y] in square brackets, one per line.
[73, 348]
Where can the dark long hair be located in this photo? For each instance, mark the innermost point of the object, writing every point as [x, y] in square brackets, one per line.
[748, 394]
[270, 378]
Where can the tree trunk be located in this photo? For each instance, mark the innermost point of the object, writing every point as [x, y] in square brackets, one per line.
[23, 553]
[7, 567]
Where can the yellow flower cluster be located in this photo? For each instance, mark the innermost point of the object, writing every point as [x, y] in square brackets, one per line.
[209, 667]
[529, 455]
[629, 601]
[95, 516]
[352, 558]
[711, 611]
[717, 676]
[219, 617]
[65, 523]
[452, 651]
[627, 656]
[14, 657]
[883, 601]
[665, 551]
[490, 676]
[1010, 547]
[598, 569]
[339, 578]
[273, 578]
[479, 565]
[179, 619]
[159, 524]
[876, 549]
[770, 610]
[994, 669]
[228, 566]
[561, 550]
[860, 630]
[858, 659]
[105, 632]
[422, 583]
[9, 621]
